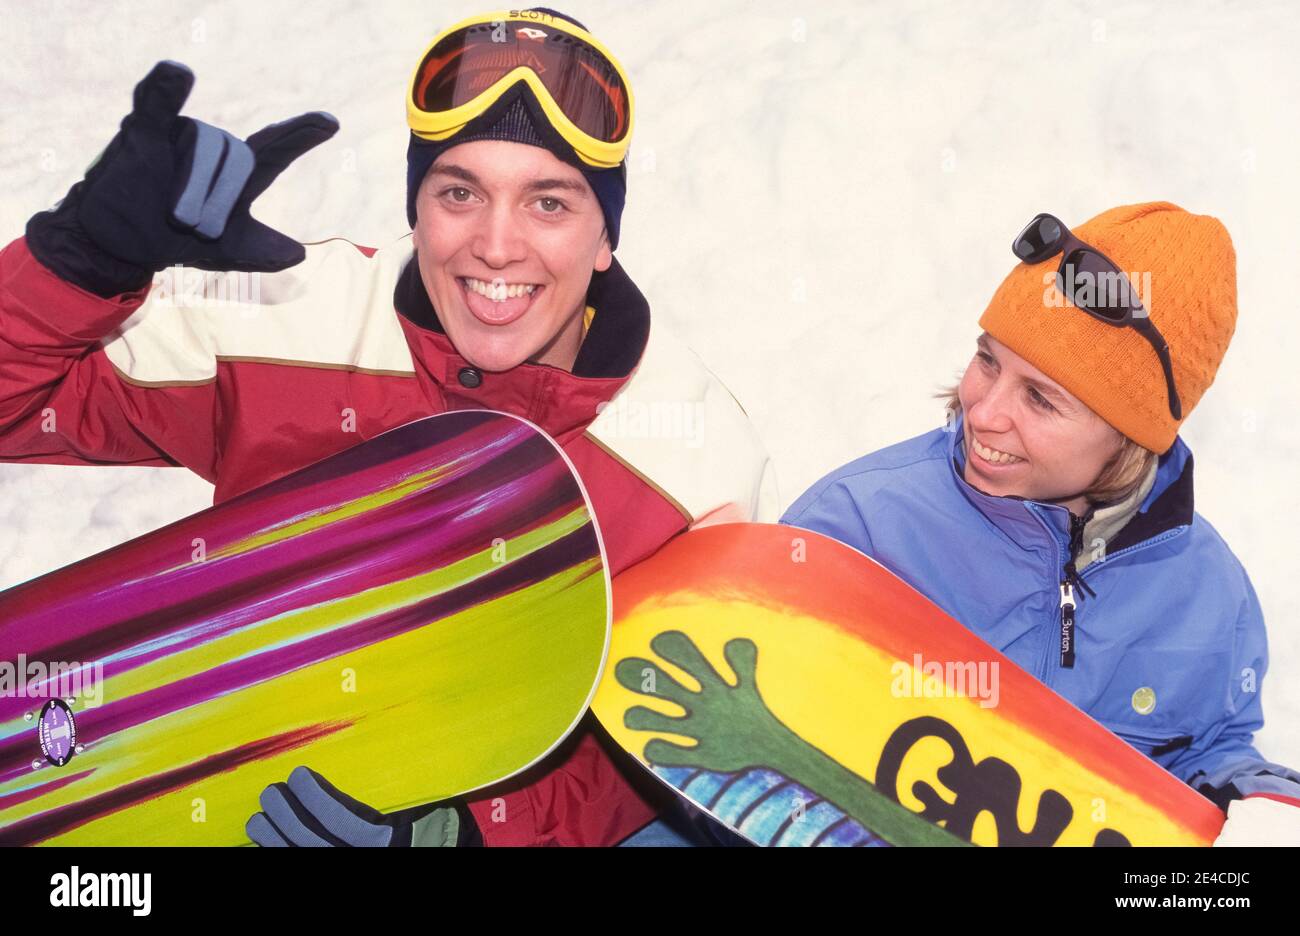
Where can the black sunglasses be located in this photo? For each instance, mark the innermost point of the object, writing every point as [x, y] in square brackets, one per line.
[1095, 284]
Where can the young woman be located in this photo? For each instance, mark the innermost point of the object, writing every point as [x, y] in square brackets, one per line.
[1054, 517]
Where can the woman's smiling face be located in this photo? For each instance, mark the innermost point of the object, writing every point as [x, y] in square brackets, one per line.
[1025, 435]
[508, 237]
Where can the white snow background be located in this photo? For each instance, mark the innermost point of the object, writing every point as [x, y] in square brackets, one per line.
[821, 201]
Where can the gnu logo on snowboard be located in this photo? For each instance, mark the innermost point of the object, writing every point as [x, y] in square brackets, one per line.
[57, 730]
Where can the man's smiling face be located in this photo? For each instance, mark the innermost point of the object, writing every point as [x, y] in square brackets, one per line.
[508, 237]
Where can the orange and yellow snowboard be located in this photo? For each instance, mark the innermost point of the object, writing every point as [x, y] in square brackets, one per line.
[804, 695]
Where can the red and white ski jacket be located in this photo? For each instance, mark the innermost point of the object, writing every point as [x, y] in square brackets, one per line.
[243, 386]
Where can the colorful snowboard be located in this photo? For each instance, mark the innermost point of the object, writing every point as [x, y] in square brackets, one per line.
[415, 617]
[804, 695]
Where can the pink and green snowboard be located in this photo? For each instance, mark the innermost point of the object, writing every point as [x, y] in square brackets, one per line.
[416, 617]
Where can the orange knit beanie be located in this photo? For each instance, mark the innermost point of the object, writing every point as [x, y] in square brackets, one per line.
[1184, 270]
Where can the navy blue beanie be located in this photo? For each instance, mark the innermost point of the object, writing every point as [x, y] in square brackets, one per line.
[519, 118]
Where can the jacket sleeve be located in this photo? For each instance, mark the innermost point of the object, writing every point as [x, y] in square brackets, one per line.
[828, 508]
[1223, 763]
[575, 797]
[62, 401]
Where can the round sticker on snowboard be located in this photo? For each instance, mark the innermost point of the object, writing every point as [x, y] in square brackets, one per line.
[58, 732]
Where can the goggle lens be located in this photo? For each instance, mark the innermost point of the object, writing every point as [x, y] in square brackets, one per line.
[584, 84]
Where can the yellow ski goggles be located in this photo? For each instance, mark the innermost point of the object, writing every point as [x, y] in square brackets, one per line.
[579, 85]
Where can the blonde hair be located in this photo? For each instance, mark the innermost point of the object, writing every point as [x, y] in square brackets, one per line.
[1118, 478]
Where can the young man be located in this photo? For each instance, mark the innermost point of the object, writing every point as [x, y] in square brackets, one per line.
[506, 297]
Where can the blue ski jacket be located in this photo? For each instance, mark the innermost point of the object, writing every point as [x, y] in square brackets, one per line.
[1168, 642]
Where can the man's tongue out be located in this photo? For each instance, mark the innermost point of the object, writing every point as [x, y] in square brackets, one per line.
[493, 312]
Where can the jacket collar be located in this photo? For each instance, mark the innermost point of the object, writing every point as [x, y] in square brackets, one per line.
[1167, 506]
[557, 400]
[1107, 520]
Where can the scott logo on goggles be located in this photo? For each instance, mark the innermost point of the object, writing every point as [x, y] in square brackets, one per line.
[531, 14]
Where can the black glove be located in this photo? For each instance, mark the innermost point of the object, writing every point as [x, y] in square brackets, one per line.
[308, 811]
[168, 190]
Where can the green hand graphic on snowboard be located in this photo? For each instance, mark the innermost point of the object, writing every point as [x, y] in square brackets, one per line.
[734, 730]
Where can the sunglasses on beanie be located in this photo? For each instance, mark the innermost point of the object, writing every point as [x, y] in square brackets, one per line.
[1082, 269]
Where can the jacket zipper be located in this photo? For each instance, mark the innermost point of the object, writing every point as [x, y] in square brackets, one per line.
[1069, 581]
[1068, 596]
[1096, 567]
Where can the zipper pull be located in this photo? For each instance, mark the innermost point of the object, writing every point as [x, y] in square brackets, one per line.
[1067, 624]
[1072, 578]
[1078, 580]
